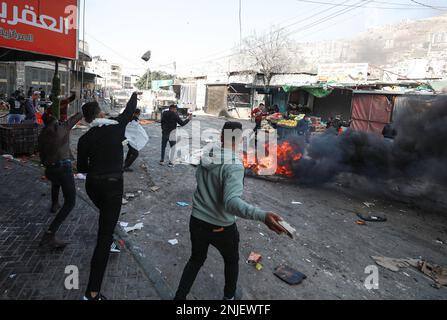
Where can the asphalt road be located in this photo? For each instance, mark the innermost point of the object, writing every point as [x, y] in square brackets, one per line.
[331, 249]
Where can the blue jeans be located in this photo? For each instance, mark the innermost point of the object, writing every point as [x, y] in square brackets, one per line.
[15, 119]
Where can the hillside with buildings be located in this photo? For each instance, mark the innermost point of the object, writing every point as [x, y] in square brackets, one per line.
[413, 49]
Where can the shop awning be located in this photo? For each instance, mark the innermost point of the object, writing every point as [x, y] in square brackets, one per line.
[9, 55]
[88, 76]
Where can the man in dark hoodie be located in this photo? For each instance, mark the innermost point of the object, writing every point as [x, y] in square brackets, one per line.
[56, 157]
[216, 203]
[169, 121]
[100, 156]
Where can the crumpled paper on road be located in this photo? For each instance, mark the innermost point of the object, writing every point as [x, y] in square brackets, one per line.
[437, 273]
[395, 264]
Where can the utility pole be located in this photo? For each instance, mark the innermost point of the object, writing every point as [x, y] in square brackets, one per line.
[83, 51]
[240, 24]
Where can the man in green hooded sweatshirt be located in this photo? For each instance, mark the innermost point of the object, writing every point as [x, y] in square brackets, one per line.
[216, 203]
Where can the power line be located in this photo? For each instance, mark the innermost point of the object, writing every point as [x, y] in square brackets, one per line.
[427, 6]
[357, 5]
[394, 7]
[219, 53]
[240, 22]
[202, 59]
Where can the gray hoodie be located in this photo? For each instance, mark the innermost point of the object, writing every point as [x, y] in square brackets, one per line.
[220, 184]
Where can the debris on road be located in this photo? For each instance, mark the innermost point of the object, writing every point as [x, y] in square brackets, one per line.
[297, 202]
[173, 242]
[136, 227]
[373, 218]
[369, 204]
[121, 243]
[182, 204]
[289, 275]
[395, 264]
[12, 276]
[124, 224]
[155, 188]
[439, 241]
[254, 258]
[361, 222]
[146, 122]
[125, 201]
[8, 157]
[437, 273]
[130, 196]
[80, 176]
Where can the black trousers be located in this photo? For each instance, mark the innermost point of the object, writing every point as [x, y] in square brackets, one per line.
[107, 195]
[61, 178]
[132, 155]
[164, 144]
[226, 242]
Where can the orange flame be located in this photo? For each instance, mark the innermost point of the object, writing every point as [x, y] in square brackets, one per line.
[286, 155]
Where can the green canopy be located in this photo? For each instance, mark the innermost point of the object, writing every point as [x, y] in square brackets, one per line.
[439, 86]
[319, 92]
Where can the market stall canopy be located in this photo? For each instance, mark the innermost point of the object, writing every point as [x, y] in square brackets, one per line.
[319, 91]
[439, 86]
[88, 76]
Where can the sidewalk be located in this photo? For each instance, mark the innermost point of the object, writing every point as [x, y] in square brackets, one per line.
[28, 272]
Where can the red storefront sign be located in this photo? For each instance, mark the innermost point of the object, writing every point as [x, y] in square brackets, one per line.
[48, 27]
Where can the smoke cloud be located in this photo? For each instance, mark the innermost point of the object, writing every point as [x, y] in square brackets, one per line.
[419, 152]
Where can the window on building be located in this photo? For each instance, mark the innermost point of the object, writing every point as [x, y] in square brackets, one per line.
[389, 44]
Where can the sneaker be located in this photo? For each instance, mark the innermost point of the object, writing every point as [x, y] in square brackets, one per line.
[49, 240]
[171, 165]
[162, 163]
[237, 296]
[99, 297]
[114, 248]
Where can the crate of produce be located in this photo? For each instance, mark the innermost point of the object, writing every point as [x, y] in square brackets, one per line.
[18, 139]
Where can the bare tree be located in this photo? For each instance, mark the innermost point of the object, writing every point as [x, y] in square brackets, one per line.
[268, 53]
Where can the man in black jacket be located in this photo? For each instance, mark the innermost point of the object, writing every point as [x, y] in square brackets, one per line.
[100, 156]
[169, 121]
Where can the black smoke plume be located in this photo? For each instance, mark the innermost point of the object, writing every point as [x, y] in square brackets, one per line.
[419, 151]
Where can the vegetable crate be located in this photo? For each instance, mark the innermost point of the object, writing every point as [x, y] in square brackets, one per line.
[18, 139]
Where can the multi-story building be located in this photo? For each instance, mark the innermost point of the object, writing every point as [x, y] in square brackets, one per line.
[127, 82]
[110, 74]
[116, 79]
